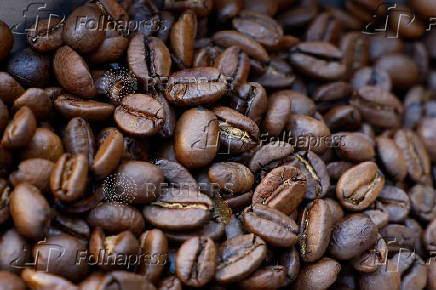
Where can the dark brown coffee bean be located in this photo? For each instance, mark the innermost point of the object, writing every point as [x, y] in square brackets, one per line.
[278, 74]
[320, 275]
[44, 144]
[196, 261]
[179, 209]
[73, 73]
[374, 102]
[371, 259]
[398, 237]
[231, 176]
[402, 70]
[123, 280]
[176, 174]
[201, 8]
[10, 89]
[308, 133]
[7, 40]
[422, 199]
[260, 27]
[77, 30]
[359, 186]
[279, 107]
[206, 56]
[414, 29]
[385, 278]
[250, 46]
[240, 201]
[116, 217]
[238, 257]
[343, 118]
[14, 251]
[273, 226]
[37, 100]
[196, 138]
[352, 236]
[5, 194]
[265, 277]
[332, 91]
[41, 279]
[234, 65]
[79, 138]
[30, 211]
[371, 76]
[46, 35]
[70, 106]
[379, 217]
[391, 157]
[227, 9]
[11, 281]
[261, 6]
[425, 130]
[251, 101]
[149, 59]
[213, 229]
[20, 130]
[283, 189]
[182, 38]
[319, 60]
[270, 153]
[111, 49]
[153, 243]
[76, 227]
[315, 229]
[140, 115]
[297, 17]
[30, 68]
[145, 177]
[197, 86]
[336, 169]
[238, 133]
[69, 177]
[417, 159]
[355, 48]
[323, 28]
[355, 147]
[108, 154]
[170, 283]
[394, 201]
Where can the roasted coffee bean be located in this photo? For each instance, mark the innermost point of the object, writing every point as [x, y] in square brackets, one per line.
[324, 28]
[78, 34]
[148, 58]
[179, 209]
[238, 257]
[140, 115]
[11, 281]
[30, 68]
[108, 154]
[71, 106]
[41, 279]
[278, 74]
[268, 276]
[44, 144]
[110, 247]
[201, 8]
[260, 27]
[283, 189]
[297, 17]
[79, 138]
[371, 76]
[250, 46]
[176, 174]
[251, 101]
[196, 261]
[7, 40]
[318, 60]
[213, 229]
[355, 47]
[320, 275]
[237, 133]
[76, 227]
[355, 147]
[279, 107]
[231, 176]
[111, 49]
[206, 56]
[37, 100]
[428, 137]
[143, 176]
[370, 260]
[411, 30]
[315, 229]
[336, 169]
[394, 201]
[10, 89]
[392, 158]
[402, 70]
[73, 73]
[273, 226]
[30, 211]
[308, 133]
[69, 177]
[423, 202]
[343, 118]
[153, 243]
[182, 38]
[352, 236]
[197, 86]
[14, 250]
[227, 9]
[269, 154]
[170, 283]
[64, 263]
[374, 102]
[315, 171]
[196, 138]
[234, 65]
[417, 159]
[46, 35]
[398, 237]
[116, 217]
[359, 186]
[20, 130]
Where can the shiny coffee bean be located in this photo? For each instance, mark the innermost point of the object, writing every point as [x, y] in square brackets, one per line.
[71, 106]
[108, 154]
[231, 176]
[392, 158]
[20, 130]
[29, 68]
[319, 275]
[46, 35]
[279, 107]
[44, 144]
[182, 37]
[153, 243]
[79, 138]
[394, 201]
[251, 101]
[7, 40]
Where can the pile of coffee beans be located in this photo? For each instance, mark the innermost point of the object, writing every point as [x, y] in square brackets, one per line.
[220, 144]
